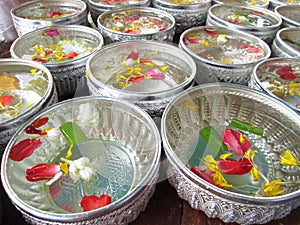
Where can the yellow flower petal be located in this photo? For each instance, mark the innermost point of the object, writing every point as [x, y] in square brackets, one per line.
[64, 167]
[254, 173]
[224, 156]
[33, 71]
[273, 188]
[220, 180]
[287, 158]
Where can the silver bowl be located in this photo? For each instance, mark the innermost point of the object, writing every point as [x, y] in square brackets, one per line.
[68, 73]
[36, 14]
[186, 13]
[109, 69]
[278, 77]
[122, 144]
[260, 22]
[289, 15]
[260, 3]
[30, 88]
[97, 7]
[276, 3]
[286, 43]
[223, 54]
[217, 105]
[106, 22]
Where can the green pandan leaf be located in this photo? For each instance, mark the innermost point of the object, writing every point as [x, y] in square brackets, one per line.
[245, 127]
[73, 133]
[213, 139]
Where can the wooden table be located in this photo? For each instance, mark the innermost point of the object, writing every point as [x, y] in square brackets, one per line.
[164, 208]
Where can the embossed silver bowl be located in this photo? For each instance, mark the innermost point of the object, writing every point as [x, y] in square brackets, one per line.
[97, 7]
[223, 54]
[289, 15]
[64, 50]
[259, 3]
[36, 14]
[25, 89]
[287, 43]
[260, 22]
[215, 105]
[279, 77]
[136, 23]
[187, 13]
[275, 3]
[147, 73]
[120, 145]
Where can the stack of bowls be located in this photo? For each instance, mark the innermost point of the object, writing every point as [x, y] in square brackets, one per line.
[64, 50]
[287, 43]
[279, 77]
[223, 54]
[260, 22]
[289, 15]
[35, 14]
[147, 73]
[118, 146]
[187, 13]
[97, 7]
[25, 89]
[259, 3]
[136, 23]
[218, 105]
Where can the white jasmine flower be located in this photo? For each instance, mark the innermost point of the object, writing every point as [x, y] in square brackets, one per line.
[87, 115]
[54, 134]
[80, 169]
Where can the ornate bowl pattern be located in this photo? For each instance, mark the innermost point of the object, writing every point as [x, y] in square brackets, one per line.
[262, 23]
[261, 3]
[278, 77]
[110, 35]
[123, 145]
[186, 15]
[289, 15]
[217, 104]
[32, 89]
[69, 75]
[204, 44]
[152, 95]
[28, 16]
[286, 43]
[97, 7]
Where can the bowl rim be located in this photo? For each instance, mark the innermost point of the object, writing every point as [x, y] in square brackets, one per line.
[29, 112]
[75, 217]
[141, 9]
[258, 81]
[132, 94]
[168, 4]
[293, 51]
[267, 13]
[38, 32]
[259, 5]
[94, 4]
[262, 44]
[285, 18]
[174, 159]
[81, 4]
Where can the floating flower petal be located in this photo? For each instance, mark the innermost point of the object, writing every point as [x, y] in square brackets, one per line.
[24, 149]
[234, 167]
[42, 171]
[5, 101]
[92, 202]
[156, 74]
[273, 188]
[235, 141]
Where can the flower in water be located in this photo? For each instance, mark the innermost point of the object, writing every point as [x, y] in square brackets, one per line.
[5, 101]
[94, 202]
[52, 32]
[156, 74]
[273, 188]
[80, 169]
[32, 128]
[234, 167]
[88, 114]
[24, 149]
[235, 141]
[287, 158]
[42, 171]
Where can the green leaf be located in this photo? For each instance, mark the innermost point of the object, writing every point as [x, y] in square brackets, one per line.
[73, 133]
[213, 139]
[245, 127]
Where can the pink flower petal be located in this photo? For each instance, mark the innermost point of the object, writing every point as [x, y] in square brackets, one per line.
[52, 32]
[156, 74]
[232, 139]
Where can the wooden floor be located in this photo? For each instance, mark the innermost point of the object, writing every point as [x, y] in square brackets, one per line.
[164, 208]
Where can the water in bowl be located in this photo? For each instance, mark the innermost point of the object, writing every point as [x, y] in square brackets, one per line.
[114, 175]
